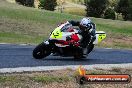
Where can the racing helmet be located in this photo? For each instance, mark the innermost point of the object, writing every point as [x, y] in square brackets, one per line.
[85, 23]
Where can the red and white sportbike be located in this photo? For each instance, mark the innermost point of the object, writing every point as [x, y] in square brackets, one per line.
[65, 41]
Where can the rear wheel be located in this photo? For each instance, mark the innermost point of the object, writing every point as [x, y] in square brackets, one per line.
[41, 51]
[77, 57]
[78, 54]
[90, 48]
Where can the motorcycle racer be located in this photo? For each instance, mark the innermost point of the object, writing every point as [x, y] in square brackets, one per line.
[88, 29]
[67, 40]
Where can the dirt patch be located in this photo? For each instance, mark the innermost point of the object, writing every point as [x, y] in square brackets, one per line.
[11, 1]
[117, 41]
[61, 85]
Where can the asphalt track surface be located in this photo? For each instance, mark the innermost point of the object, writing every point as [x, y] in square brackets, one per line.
[12, 56]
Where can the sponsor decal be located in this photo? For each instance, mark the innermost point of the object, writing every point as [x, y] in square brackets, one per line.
[102, 78]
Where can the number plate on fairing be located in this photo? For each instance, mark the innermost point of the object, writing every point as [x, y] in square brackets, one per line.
[56, 34]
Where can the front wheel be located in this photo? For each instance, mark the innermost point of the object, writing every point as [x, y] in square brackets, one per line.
[41, 51]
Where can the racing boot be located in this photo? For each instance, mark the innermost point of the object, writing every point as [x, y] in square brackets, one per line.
[85, 50]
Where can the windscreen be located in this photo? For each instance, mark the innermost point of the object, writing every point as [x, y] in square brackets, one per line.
[66, 27]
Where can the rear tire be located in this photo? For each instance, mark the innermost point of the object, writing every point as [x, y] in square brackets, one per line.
[78, 54]
[77, 57]
[41, 51]
[90, 48]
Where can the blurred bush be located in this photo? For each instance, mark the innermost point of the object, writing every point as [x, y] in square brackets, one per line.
[110, 14]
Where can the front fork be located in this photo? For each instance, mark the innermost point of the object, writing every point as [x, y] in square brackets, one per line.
[46, 42]
[52, 45]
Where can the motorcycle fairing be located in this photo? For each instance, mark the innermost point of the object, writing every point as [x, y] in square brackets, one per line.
[100, 35]
[61, 32]
[56, 34]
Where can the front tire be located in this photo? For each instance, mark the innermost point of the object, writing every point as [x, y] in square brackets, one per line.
[41, 51]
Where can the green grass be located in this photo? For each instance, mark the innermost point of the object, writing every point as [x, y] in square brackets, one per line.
[57, 79]
[49, 79]
[4, 78]
[17, 38]
[19, 24]
[118, 27]
[34, 15]
[30, 80]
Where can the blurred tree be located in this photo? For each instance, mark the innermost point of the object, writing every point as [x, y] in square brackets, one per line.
[29, 3]
[48, 4]
[122, 8]
[95, 8]
[113, 3]
[60, 4]
[109, 14]
[130, 10]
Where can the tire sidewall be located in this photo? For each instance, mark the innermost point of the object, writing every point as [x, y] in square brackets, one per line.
[43, 49]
